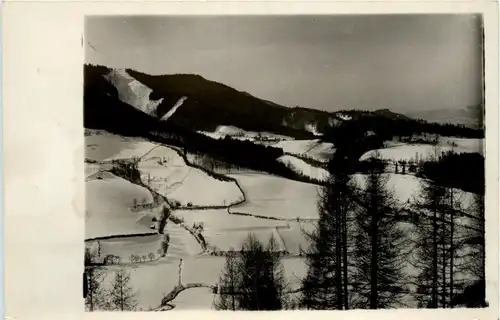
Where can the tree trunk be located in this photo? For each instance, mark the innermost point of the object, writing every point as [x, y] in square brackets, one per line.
[374, 262]
[121, 296]
[443, 263]
[434, 262]
[452, 249]
[338, 266]
[91, 301]
[344, 255]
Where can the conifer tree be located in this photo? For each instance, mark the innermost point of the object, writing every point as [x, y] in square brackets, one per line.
[96, 295]
[433, 245]
[260, 291]
[229, 282]
[427, 245]
[121, 295]
[379, 247]
[477, 237]
[253, 278]
[275, 274]
[326, 283]
[471, 261]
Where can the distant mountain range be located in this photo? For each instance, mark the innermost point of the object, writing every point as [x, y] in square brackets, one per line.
[472, 116]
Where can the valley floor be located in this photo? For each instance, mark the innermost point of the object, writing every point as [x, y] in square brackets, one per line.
[122, 216]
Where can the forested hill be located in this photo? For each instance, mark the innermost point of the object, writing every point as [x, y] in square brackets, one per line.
[209, 104]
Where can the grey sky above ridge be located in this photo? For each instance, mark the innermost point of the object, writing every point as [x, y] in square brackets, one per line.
[399, 62]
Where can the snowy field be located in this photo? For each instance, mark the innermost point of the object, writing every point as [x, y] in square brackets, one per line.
[221, 220]
[151, 281]
[237, 133]
[125, 247]
[402, 151]
[108, 146]
[91, 168]
[233, 240]
[108, 207]
[273, 196]
[225, 231]
[293, 237]
[182, 244]
[194, 299]
[110, 200]
[302, 167]
[406, 188]
[163, 170]
[315, 149]
[463, 145]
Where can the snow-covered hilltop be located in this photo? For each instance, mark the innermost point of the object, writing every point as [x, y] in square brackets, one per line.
[133, 92]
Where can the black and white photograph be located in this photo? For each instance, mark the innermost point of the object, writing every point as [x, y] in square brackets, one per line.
[284, 162]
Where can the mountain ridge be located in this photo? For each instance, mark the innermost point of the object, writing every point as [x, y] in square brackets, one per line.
[195, 103]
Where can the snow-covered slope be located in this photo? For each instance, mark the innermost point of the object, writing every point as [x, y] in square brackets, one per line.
[302, 167]
[315, 149]
[174, 108]
[277, 197]
[407, 187]
[163, 170]
[222, 230]
[344, 117]
[237, 133]
[133, 92]
[106, 146]
[153, 280]
[462, 144]
[109, 202]
[419, 150]
[313, 129]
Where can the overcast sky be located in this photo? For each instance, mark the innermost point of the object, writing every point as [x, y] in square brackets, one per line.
[325, 62]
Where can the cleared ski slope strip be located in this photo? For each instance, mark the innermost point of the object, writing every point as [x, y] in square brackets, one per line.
[171, 112]
[133, 92]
